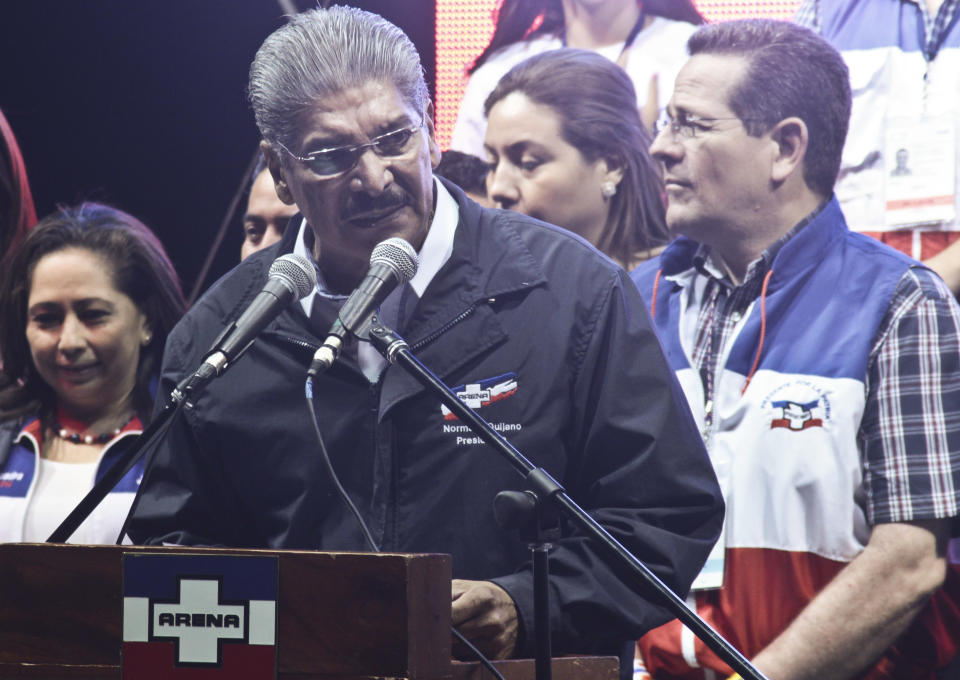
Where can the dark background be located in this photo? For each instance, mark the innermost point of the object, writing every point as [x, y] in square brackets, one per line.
[141, 104]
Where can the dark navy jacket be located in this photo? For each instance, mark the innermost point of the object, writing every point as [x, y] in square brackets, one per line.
[522, 311]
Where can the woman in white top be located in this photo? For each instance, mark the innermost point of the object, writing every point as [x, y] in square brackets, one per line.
[566, 146]
[647, 39]
[87, 302]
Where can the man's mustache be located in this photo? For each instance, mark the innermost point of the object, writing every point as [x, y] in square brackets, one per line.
[363, 204]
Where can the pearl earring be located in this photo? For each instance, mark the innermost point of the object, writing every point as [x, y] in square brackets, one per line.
[608, 189]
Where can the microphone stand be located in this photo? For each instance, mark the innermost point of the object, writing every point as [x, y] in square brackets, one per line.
[538, 525]
[396, 350]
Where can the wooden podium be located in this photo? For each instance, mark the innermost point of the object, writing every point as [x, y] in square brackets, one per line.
[339, 615]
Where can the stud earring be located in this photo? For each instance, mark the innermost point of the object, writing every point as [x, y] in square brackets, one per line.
[608, 189]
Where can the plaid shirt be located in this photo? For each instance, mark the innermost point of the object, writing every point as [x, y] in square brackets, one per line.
[723, 305]
[909, 436]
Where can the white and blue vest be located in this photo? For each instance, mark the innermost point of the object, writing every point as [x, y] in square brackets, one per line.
[787, 450]
[18, 476]
[785, 443]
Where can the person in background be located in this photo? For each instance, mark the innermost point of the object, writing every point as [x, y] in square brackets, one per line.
[87, 302]
[17, 213]
[566, 146]
[467, 172]
[645, 38]
[823, 368]
[266, 216]
[523, 310]
[904, 61]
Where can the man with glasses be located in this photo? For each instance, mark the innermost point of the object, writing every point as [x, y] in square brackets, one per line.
[545, 337]
[822, 366]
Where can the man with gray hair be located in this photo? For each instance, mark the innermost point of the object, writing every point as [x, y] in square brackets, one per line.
[539, 332]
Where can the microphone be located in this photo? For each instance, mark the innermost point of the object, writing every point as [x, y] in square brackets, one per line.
[291, 278]
[392, 263]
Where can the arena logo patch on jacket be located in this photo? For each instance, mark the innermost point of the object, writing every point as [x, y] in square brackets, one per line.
[802, 406]
[483, 393]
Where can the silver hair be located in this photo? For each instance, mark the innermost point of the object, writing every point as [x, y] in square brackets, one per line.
[324, 51]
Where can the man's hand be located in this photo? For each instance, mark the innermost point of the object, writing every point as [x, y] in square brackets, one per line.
[484, 613]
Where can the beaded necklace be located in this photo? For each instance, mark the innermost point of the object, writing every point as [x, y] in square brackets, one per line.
[77, 438]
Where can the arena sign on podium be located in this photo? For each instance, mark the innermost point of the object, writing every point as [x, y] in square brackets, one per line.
[199, 617]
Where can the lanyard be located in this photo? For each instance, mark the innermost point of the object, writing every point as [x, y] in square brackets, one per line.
[935, 28]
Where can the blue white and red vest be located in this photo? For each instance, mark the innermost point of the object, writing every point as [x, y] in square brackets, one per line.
[785, 448]
[18, 478]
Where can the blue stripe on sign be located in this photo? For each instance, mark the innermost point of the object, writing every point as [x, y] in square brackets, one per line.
[245, 577]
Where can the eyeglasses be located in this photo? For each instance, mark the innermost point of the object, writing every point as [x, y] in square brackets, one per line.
[687, 125]
[337, 160]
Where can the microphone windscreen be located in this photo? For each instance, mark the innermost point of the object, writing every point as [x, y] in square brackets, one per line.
[397, 254]
[298, 271]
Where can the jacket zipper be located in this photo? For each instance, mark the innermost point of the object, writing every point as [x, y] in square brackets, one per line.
[444, 328]
[388, 535]
[389, 541]
[420, 343]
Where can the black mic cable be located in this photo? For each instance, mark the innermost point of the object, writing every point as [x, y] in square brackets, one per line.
[368, 536]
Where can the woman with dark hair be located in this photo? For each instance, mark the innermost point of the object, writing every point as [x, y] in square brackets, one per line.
[87, 302]
[647, 38]
[566, 146]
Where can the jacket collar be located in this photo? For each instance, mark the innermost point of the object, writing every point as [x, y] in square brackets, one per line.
[805, 249]
[508, 264]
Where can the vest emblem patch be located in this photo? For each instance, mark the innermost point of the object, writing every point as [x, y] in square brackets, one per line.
[797, 406]
[794, 416]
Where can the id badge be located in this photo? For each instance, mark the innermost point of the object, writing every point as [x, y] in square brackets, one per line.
[711, 575]
[920, 166]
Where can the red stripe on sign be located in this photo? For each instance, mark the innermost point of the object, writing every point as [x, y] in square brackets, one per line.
[154, 661]
[924, 202]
